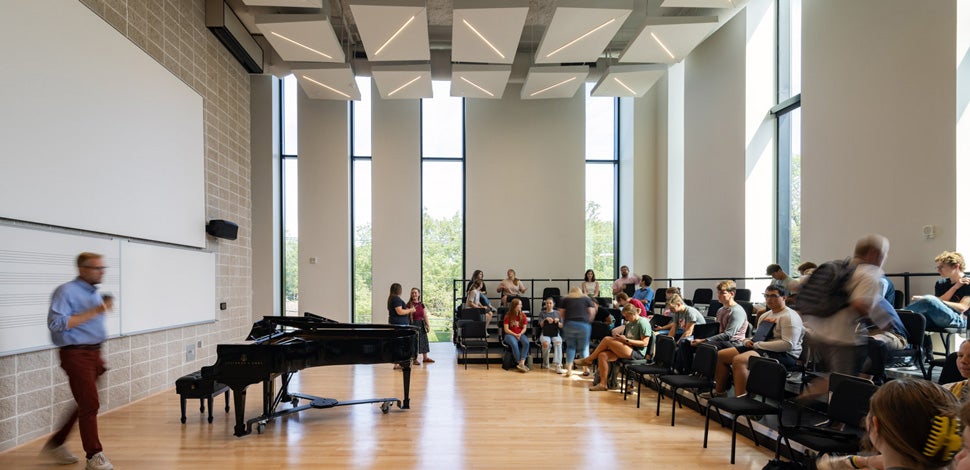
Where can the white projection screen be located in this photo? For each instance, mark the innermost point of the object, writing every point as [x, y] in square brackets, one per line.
[95, 134]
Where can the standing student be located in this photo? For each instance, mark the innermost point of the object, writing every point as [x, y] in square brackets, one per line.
[625, 278]
[577, 311]
[420, 319]
[398, 312]
[76, 323]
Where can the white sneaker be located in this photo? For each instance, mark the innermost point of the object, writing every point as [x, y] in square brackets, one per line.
[99, 462]
[834, 462]
[59, 455]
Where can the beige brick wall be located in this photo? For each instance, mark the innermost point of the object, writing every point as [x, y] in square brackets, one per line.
[33, 389]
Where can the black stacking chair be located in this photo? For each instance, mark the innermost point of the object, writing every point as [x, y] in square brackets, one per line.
[706, 330]
[605, 302]
[663, 361]
[599, 331]
[843, 432]
[899, 299]
[742, 295]
[701, 378]
[551, 292]
[950, 373]
[659, 299]
[702, 295]
[915, 325]
[766, 382]
[472, 334]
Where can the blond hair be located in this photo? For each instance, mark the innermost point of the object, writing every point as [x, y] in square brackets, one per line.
[729, 286]
[952, 258]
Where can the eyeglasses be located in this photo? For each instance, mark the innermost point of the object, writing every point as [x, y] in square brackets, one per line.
[772, 296]
[96, 268]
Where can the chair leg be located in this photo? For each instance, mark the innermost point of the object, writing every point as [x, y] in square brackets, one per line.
[673, 407]
[707, 422]
[734, 436]
[660, 392]
[227, 401]
[754, 435]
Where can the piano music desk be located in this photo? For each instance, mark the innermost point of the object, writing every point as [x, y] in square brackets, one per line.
[194, 386]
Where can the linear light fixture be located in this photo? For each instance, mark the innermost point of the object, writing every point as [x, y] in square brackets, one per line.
[574, 41]
[553, 86]
[274, 33]
[405, 25]
[617, 79]
[662, 46]
[480, 36]
[327, 87]
[403, 86]
[476, 86]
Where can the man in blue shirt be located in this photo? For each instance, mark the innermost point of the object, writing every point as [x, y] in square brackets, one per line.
[76, 323]
[644, 293]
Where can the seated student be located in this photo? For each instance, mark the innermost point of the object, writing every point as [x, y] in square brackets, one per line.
[474, 300]
[683, 319]
[961, 389]
[550, 322]
[622, 300]
[510, 287]
[670, 292]
[782, 329]
[886, 333]
[590, 286]
[732, 321]
[952, 298]
[644, 293]
[515, 327]
[632, 344]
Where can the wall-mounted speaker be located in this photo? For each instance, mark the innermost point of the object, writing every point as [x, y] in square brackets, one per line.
[222, 229]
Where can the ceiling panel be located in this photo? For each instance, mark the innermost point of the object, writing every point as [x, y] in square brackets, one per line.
[285, 3]
[487, 31]
[702, 3]
[628, 80]
[329, 82]
[578, 33]
[401, 82]
[553, 82]
[479, 81]
[393, 30]
[668, 39]
[301, 38]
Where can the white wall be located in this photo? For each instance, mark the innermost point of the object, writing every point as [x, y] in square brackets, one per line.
[638, 221]
[324, 211]
[878, 129]
[265, 143]
[396, 185]
[714, 154]
[525, 186]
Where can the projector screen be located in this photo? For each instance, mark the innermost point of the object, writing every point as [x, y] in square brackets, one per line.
[96, 135]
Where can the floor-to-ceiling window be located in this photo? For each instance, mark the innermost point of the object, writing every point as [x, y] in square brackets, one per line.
[360, 154]
[601, 187]
[788, 118]
[291, 293]
[442, 204]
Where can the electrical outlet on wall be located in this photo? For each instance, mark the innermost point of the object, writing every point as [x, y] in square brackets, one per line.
[190, 352]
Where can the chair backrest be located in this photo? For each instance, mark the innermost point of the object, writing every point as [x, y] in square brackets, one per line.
[657, 321]
[600, 330]
[617, 316]
[666, 347]
[550, 292]
[705, 360]
[659, 298]
[899, 299]
[742, 295]
[472, 329]
[850, 400]
[767, 378]
[629, 289]
[950, 373]
[713, 307]
[605, 302]
[472, 314]
[748, 310]
[915, 325]
[705, 330]
[702, 295]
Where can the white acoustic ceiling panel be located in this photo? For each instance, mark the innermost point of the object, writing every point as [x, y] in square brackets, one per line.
[702, 3]
[579, 32]
[285, 3]
[401, 82]
[668, 39]
[393, 30]
[329, 82]
[628, 80]
[479, 81]
[487, 31]
[301, 38]
[553, 82]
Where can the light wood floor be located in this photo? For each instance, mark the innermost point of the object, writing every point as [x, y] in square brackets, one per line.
[473, 418]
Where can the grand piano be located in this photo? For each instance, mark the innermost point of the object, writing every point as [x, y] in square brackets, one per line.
[282, 346]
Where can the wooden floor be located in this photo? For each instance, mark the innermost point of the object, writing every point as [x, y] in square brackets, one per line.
[473, 418]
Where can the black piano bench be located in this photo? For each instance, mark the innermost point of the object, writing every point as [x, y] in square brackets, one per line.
[194, 386]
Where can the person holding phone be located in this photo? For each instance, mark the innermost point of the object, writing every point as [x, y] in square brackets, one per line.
[76, 323]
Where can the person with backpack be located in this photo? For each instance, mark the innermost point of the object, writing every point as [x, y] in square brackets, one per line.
[833, 302]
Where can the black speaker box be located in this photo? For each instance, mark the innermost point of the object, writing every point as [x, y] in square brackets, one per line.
[222, 229]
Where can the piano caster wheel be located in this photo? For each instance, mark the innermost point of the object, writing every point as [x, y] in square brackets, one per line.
[385, 407]
[259, 428]
[295, 401]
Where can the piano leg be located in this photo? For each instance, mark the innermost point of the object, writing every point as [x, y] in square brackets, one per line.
[269, 396]
[239, 399]
[406, 368]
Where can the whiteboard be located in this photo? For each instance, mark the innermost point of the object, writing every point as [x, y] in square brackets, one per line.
[155, 286]
[165, 286]
[96, 134]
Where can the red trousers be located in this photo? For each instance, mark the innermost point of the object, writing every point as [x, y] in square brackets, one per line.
[83, 366]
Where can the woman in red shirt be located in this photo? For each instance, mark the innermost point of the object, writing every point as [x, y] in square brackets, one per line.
[515, 327]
